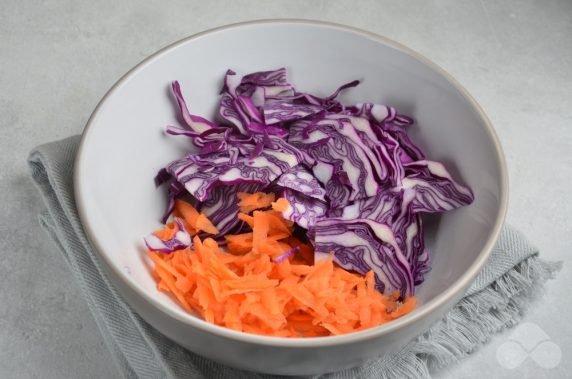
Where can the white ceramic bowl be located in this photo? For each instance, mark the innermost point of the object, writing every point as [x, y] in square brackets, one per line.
[123, 146]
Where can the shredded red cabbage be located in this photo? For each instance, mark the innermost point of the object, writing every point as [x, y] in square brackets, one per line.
[353, 178]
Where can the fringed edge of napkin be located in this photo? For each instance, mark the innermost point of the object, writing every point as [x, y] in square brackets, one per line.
[475, 320]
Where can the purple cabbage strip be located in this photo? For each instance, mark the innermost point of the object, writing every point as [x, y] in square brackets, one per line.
[261, 94]
[181, 240]
[408, 151]
[434, 188]
[229, 114]
[392, 209]
[266, 78]
[383, 208]
[222, 207]
[363, 245]
[196, 123]
[257, 128]
[284, 111]
[162, 177]
[421, 267]
[199, 174]
[374, 112]
[327, 103]
[343, 160]
[407, 227]
[301, 180]
[303, 210]
[174, 190]
[230, 83]
[286, 254]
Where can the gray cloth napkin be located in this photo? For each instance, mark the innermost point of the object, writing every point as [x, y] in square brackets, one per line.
[494, 301]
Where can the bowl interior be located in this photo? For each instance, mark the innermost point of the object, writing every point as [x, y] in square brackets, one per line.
[124, 145]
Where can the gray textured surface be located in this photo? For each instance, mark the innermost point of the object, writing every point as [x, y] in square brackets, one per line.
[57, 58]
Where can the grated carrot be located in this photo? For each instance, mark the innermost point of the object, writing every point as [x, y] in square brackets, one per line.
[251, 202]
[187, 212]
[244, 289]
[281, 205]
[204, 224]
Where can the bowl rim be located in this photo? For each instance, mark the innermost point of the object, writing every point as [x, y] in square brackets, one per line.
[459, 285]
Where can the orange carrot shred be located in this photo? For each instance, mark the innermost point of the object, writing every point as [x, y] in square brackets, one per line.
[204, 224]
[246, 218]
[281, 205]
[250, 202]
[187, 212]
[243, 288]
